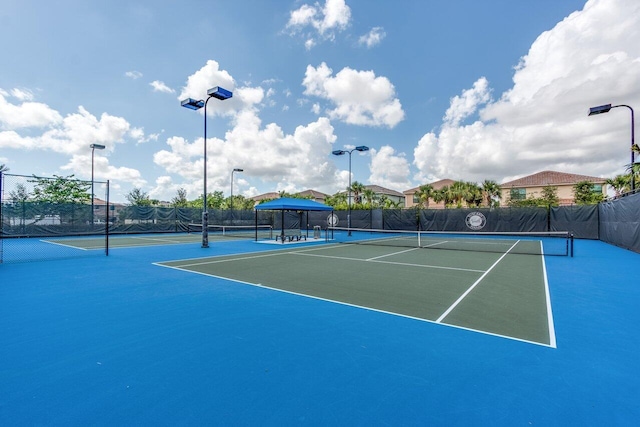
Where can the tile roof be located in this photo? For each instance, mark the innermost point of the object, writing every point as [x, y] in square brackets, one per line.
[435, 184]
[551, 178]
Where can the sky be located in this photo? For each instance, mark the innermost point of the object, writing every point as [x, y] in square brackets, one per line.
[460, 89]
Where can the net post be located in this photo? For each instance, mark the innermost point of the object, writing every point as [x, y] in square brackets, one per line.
[571, 244]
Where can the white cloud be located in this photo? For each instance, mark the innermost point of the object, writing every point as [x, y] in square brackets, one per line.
[590, 58]
[359, 97]
[71, 135]
[372, 38]
[209, 76]
[292, 161]
[159, 86]
[140, 137]
[133, 74]
[22, 94]
[389, 169]
[466, 104]
[316, 21]
[27, 114]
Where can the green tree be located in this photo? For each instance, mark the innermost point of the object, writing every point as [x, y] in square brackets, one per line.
[620, 184]
[423, 194]
[584, 194]
[492, 193]
[20, 194]
[550, 196]
[357, 189]
[180, 200]
[369, 197]
[137, 197]
[61, 189]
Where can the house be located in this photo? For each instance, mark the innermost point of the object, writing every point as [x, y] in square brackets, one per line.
[378, 191]
[411, 200]
[314, 195]
[531, 186]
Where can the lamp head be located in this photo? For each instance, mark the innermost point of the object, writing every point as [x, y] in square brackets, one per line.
[97, 146]
[600, 109]
[192, 104]
[362, 148]
[338, 152]
[220, 93]
[238, 170]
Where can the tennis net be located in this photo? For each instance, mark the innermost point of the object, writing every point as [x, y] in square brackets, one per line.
[559, 243]
[239, 231]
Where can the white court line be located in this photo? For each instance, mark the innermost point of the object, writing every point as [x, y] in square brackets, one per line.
[391, 262]
[391, 254]
[552, 330]
[463, 296]
[66, 246]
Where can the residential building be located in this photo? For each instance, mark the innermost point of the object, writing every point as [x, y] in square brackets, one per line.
[411, 200]
[532, 185]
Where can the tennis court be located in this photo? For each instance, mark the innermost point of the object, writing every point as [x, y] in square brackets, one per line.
[498, 293]
[319, 333]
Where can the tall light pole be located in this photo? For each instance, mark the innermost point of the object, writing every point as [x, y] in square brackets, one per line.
[231, 198]
[94, 147]
[340, 153]
[605, 109]
[194, 104]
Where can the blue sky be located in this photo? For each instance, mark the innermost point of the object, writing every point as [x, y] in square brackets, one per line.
[460, 89]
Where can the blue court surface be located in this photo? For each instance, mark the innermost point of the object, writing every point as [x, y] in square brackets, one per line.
[122, 340]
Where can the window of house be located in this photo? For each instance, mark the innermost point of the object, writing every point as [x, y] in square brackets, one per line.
[518, 194]
[596, 188]
[416, 199]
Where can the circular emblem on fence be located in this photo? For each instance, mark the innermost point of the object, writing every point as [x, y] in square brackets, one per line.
[475, 221]
[332, 220]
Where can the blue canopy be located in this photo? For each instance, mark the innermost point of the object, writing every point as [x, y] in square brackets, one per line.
[288, 204]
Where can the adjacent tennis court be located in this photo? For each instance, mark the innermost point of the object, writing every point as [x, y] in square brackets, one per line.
[504, 294]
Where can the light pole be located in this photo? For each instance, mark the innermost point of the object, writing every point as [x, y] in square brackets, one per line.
[231, 198]
[94, 147]
[194, 104]
[605, 109]
[340, 153]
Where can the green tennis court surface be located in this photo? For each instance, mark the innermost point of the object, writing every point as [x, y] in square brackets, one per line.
[125, 241]
[499, 294]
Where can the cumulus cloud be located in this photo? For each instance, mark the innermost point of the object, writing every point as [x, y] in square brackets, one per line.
[372, 38]
[159, 86]
[27, 114]
[590, 58]
[70, 135]
[360, 97]
[389, 169]
[210, 75]
[265, 153]
[315, 21]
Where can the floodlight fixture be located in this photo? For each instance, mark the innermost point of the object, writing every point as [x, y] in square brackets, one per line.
[192, 104]
[340, 153]
[219, 93]
[196, 104]
[605, 109]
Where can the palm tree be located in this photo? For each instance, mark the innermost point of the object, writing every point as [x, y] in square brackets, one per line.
[459, 192]
[424, 193]
[369, 196]
[619, 183]
[3, 168]
[492, 191]
[357, 188]
[473, 196]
